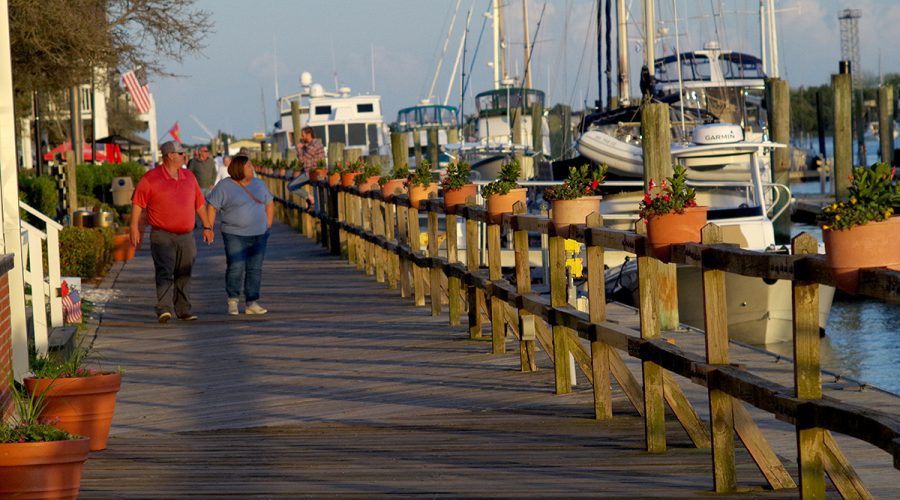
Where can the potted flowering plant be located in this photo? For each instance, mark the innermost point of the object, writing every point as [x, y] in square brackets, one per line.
[38, 460]
[367, 178]
[577, 197]
[503, 192]
[394, 184]
[351, 170]
[456, 186]
[80, 400]
[296, 168]
[319, 173]
[671, 213]
[335, 172]
[421, 184]
[863, 231]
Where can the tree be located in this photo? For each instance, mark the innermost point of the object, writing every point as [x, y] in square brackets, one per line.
[57, 44]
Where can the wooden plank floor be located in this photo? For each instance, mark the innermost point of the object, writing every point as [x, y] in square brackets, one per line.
[346, 389]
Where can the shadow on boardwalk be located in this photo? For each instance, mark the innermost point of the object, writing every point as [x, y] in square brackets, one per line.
[345, 388]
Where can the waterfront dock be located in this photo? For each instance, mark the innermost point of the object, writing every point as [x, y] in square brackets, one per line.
[347, 387]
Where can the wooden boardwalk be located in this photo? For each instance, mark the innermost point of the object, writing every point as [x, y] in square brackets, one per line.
[346, 389]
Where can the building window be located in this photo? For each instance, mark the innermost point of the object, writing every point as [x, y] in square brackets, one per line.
[356, 134]
[319, 132]
[365, 108]
[372, 130]
[323, 110]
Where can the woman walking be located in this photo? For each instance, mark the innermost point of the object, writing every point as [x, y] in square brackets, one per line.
[245, 207]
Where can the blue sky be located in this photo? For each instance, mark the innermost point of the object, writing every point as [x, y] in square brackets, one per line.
[231, 85]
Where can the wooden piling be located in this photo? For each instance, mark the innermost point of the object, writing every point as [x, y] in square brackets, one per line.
[523, 286]
[886, 122]
[843, 139]
[399, 149]
[71, 184]
[656, 143]
[351, 155]
[434, 147]
[649, 270]
[600, 351]
[295, 121]
[537, 129]
[453, 283]
[779, 108]
[561, 335]
[498, 323]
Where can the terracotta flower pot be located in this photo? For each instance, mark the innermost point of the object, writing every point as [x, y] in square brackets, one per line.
[876, 244]
[334, 179]
[348, 178]
[83, 405]
[123, 250]
[282, 172]
[295, 173]
[393, 188]
[665, 230]
[499, 204]
[419, 193]
[455, 197]
[564, 213]
[318, 174]
[50, 469]
[369, 185]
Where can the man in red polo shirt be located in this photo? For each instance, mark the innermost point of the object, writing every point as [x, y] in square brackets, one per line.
[170, 196]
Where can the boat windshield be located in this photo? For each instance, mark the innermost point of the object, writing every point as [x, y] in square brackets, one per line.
[424, 116]
[497, 101]
[694, 67]
[738, 66]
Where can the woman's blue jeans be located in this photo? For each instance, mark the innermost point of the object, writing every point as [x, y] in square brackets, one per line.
[244, 256]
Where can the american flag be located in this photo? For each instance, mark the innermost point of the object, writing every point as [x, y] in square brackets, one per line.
[71, 304]
[136, 85]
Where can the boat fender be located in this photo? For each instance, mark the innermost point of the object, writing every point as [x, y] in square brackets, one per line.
[717, 133]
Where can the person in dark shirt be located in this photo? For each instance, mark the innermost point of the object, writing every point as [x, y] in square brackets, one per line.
[204, 169]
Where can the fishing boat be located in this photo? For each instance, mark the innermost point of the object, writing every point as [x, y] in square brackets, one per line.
[759, 312]
[416, 121]
[354, 120]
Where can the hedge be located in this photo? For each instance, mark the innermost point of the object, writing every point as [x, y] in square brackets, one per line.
[40, 193]
[85, 252]
[96, 180]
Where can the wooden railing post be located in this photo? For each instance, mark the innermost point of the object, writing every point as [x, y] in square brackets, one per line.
[434, 272]
[474, 295]
[352, 217]
[368, 248]
[415, 244]
[403, 236]
[807, 374]
[453, 298]
[523, 286]
[379, 254]
[498, 320]
[654, 403]
[600, 351]
[391, 262]
[561, 340]
[720, 404]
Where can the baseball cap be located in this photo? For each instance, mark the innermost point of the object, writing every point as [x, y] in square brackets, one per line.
[171, 147]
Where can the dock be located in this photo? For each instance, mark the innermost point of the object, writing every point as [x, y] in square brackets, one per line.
[347, 387]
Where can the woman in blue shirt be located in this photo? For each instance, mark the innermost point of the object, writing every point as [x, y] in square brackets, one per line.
[244, 206]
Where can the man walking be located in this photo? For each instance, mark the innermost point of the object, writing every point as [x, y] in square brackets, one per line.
[170, 196]
[204, 169]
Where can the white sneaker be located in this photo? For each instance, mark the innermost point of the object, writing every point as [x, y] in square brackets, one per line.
[233, 307]
[255, 308]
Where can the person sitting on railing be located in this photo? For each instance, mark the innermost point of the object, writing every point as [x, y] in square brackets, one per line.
[309, 150]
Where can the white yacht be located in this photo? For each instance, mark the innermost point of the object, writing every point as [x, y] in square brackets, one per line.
[335, 117]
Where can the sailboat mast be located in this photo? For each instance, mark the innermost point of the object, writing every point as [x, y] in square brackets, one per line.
[527, 81]
[773, 39]
[622, 32]
[649, 35]
[762, 36]
[495, 24]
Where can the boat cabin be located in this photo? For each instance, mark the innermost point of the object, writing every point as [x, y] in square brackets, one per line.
[355, 121]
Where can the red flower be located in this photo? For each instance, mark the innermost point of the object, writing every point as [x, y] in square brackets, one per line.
[647, 199]
[666, 197]
[651, 185]
[594, 184]
[893, 170]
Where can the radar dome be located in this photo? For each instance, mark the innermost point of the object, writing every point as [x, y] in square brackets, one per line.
[305, 78]
[316, 90]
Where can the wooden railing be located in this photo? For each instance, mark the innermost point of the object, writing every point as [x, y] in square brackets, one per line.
[382, 238]
[46, 302]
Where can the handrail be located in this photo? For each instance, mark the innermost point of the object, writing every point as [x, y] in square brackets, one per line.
[44, 283]
[47, 220]
[358, 223]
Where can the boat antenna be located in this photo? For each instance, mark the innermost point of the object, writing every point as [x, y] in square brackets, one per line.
[477, 46]
[262, 99]
[458, 55]
[275, 66]
[680, 78]
[372, 49]
[437, 70]
[334, 66]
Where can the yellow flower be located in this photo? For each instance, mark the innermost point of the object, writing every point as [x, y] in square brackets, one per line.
[834, 206]
[888, 212]
[837, 217]
[826, 226]
[853, 200]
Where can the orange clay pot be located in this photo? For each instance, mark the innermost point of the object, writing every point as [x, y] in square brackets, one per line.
[455, 197]
[369, 185]
[334, 179]
[83, 405]
[419, 193]
[499, 204]
[318, 174]
[49, 469]
[665, 230]
[123, 250]
[348, 178]
[564, 213]
[393, 187]
[876, 244]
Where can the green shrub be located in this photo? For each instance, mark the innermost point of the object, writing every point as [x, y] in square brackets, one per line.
[96, 180]
[85, 252]
[41, 193]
